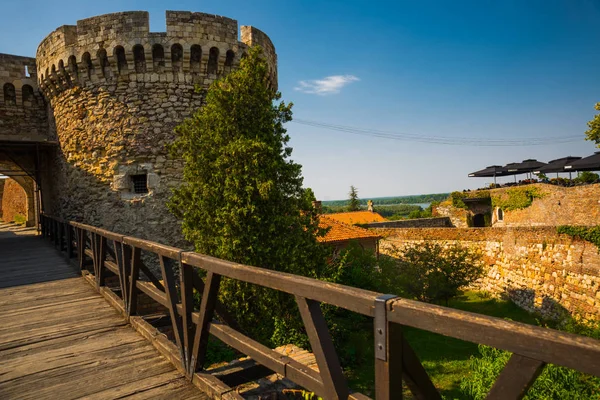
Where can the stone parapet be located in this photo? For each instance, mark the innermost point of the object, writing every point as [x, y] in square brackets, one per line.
[196, 48]
[539, 269]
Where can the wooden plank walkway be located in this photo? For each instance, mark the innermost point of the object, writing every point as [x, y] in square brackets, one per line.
[59, 339]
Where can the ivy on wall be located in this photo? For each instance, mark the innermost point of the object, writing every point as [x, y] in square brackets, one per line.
[589, 234]
[458, 197]
[517, 198]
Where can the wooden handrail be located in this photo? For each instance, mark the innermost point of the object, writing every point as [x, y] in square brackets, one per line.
[532, 346]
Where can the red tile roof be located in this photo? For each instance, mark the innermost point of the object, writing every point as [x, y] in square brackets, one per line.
[357, 217]
[341, 232]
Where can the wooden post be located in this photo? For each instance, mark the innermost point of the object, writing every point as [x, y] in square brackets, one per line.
[81, 239]
[207, 307]
[186, 275]
[516, 378]
[166, 266]
[334, 383]
[69, 235]
[136, 255]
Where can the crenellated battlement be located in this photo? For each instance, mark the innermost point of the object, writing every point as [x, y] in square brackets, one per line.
[22, 107]
[196, 48]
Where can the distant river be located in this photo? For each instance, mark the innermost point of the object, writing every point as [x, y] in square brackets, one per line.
[422, 205]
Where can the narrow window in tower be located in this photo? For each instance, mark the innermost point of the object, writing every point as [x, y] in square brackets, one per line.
[176, 57]
[139, 58]
[229, 57]
[86, 59]
[73, 69]
[213, 59]
[27, 95]
[119, 53]
[158, 58]
[62, 72]
[104, 63]
[10, 96]
[195, 57]
[139, 183]
[27, 75]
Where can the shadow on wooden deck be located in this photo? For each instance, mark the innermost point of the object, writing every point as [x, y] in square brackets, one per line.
[61, 340]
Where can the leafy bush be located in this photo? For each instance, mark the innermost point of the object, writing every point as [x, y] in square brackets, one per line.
[587, 177]
[590, 234]
[433, 272]
[517, 198]
[20, 219]
[457, 199]
[553, 383]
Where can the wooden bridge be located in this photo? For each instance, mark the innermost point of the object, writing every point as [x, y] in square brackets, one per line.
[62, 338]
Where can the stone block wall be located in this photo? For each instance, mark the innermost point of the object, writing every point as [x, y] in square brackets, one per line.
[23, 114]
[14, 200]
[537, 268]
[578, 205]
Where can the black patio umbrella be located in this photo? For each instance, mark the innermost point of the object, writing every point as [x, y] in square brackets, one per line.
[524, 167]
[557, 165]
[591, 163]
[492, 170]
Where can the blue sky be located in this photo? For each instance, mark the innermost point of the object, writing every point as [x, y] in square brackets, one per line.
[479, 69]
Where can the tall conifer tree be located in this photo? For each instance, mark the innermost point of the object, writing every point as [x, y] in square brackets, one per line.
[242, 198]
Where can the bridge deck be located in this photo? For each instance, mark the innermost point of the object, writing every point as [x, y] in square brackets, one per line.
[60, 339]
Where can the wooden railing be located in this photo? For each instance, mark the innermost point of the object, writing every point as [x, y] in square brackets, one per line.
[532, 346]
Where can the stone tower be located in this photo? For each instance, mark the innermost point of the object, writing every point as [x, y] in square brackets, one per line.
[115, 92]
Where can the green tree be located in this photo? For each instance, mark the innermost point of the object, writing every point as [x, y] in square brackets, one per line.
[433, 272]
[593, 133]
[242, 198]
[353, 202]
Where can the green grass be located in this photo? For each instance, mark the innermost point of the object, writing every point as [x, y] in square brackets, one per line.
[20, 219]
[444, 358]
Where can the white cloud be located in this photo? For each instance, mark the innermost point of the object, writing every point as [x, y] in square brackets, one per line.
[328, 85]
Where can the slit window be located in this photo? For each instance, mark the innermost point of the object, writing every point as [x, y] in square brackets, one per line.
[139, 59]
[195, 57]
[176, 57]
[140, 183]
[27, 94]
[10, 96]
[213, 59]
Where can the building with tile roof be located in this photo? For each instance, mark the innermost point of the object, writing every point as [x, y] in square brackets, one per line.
[340, 234]
[357, 217]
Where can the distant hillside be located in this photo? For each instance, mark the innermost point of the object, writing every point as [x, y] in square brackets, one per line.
[415, 199]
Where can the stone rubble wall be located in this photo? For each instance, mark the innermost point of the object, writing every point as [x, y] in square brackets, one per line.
[23, 114]
[537, 268]
[13, 199]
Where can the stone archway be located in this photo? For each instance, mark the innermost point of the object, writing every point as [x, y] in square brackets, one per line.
[18, 195]
[478, 221]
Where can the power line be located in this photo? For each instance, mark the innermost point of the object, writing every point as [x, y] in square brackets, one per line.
[446, 140]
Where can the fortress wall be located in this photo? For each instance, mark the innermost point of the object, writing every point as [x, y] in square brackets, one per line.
[23, 114]
[536, 267]
[577, 205]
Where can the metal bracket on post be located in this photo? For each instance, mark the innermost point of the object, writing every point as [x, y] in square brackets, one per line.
[380, 324]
